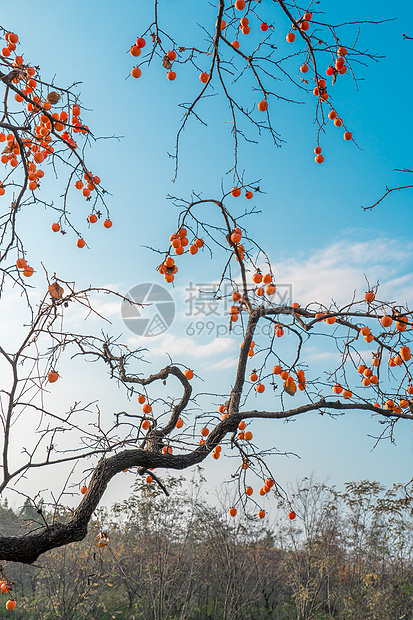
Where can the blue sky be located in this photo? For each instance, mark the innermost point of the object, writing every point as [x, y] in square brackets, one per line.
[311, 223]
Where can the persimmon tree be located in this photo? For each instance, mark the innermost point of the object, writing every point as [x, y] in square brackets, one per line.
[43, 134]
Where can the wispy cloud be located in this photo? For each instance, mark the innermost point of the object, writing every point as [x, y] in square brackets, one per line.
[176, 346]
[337, 271]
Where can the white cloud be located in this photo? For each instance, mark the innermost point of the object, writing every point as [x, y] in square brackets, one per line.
[337, 271]
[224, 364]
[176, 347]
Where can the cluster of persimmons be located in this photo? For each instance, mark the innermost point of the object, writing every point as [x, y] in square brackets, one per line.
[53, 121]
[243, 25]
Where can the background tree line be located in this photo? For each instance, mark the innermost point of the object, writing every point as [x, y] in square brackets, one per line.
[348, 555]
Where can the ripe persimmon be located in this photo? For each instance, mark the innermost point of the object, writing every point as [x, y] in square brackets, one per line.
[28, 271]
[253, 377]
[80, 243]
[369, 296]
[52, 376]
[235, 45]
[92, 219]
[347, 135]
[147, 408]
[83, 490]
[249, 491]
[401, 323]
[21, 263]
[259, 388]
[248, 195]
[264, 27]
[304, 25]
[11, 604]
[107, 224]
[386, 321]
[179, 423]
[171, 55]
[136, 72]
[141, 399]
[232, 511]
[291, 515]
[204, 77]
[188, 374]
[145, 425]
[319, 159]
[236, 192]
[262, 105]
[149, 479]
[290, 37]
[304, 68]
[55, 227]
[140, 42]
[171, 75]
